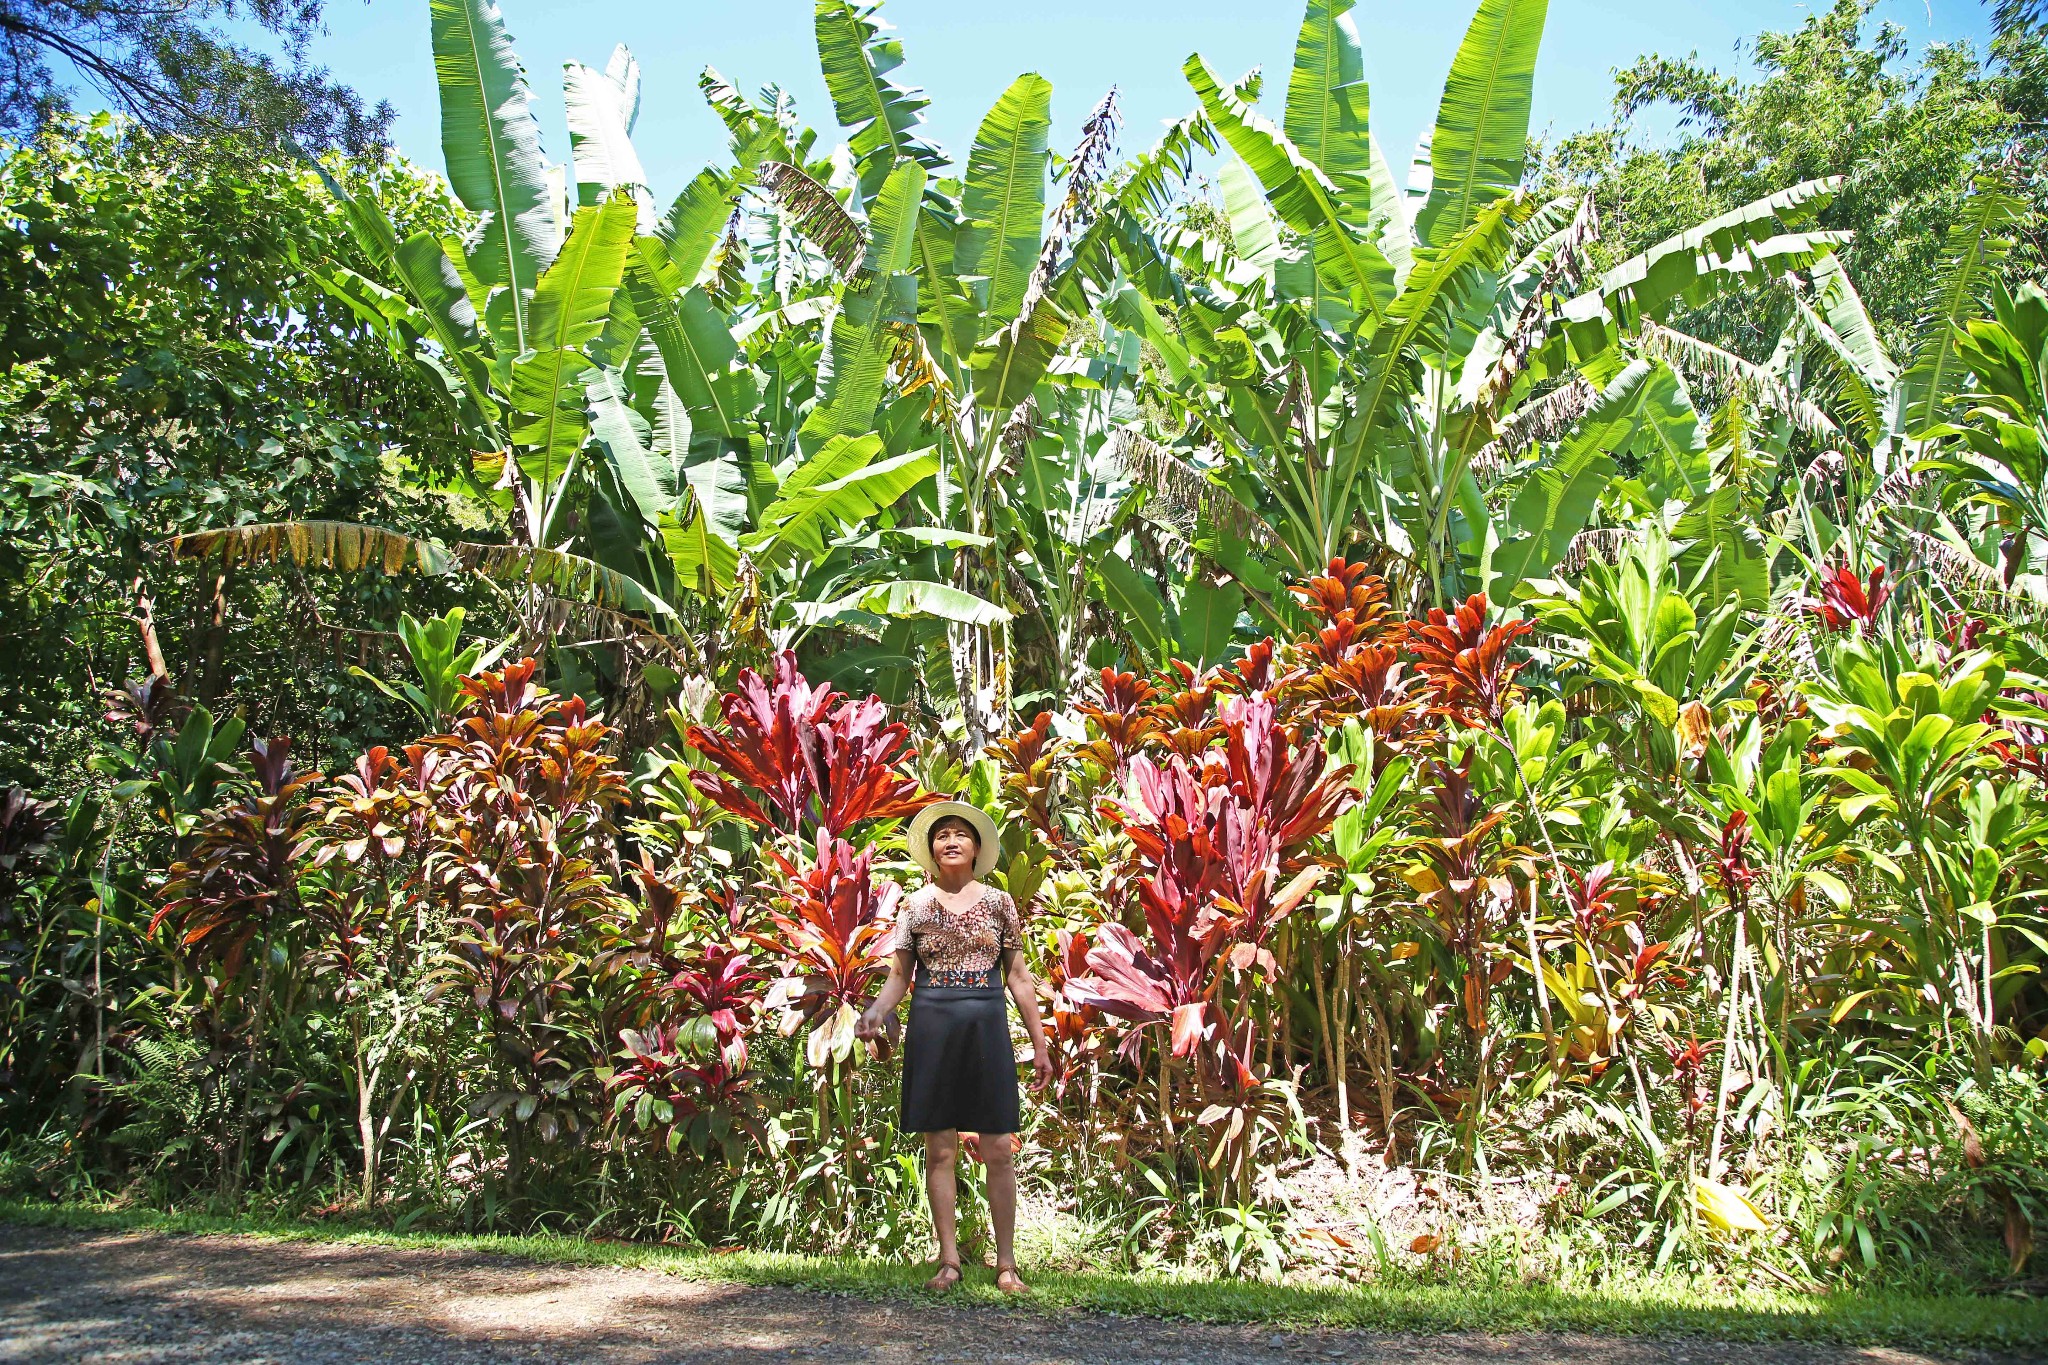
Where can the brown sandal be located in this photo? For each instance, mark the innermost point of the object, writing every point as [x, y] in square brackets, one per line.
[1016, 1284]
[939, 1283]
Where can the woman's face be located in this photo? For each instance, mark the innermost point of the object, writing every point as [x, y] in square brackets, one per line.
[954, 845]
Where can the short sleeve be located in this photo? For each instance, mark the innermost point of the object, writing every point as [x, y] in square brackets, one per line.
[902, 937]
[1009, 929]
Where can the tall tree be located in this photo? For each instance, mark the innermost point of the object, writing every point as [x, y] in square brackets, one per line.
[171, 68]
[1839, 96]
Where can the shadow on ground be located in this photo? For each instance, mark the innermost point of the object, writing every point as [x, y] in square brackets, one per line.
[68, 1295]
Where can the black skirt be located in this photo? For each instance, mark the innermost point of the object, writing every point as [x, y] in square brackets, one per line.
[959, 1068]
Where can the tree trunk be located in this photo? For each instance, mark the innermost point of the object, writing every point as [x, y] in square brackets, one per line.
[366, 1118]
[145, 621]
[213, 651]
[1380, 1059]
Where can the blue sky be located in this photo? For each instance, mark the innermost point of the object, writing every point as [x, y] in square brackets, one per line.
[964, 52]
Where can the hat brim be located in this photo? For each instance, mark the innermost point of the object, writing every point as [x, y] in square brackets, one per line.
[919, 835]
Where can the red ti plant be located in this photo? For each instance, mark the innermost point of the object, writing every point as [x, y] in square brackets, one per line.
[720, 983]
[367, 822]
[27, 830]
[360, 858]
[1256, 670]
[673, 1079]
[1072, 1029]
[1467, 674]
[1215, 841]
[148, 706]
[1027, 760]
[1177, 828]
[678, 934]
[1688, 1066]
[1124, 722]
[816, 761]
[239, 883]
[1349, 596]
[690, 1075]
[1185, 715]
[831, 918]
[796, 760]
[367, 814]
[1732, 862]
[1284, 776]
[242, 873]
[1349, 666]
[1848, 601]
[2025, 750]
[821, 766]
[1365, 682]
[527, 792]
[1466, 883]
[683, 1062]
[1591, 899]
[1126, 982]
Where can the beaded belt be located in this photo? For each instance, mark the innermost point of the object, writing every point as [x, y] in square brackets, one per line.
[958, 978]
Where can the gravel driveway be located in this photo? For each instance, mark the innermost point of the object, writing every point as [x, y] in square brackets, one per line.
[145, 1297]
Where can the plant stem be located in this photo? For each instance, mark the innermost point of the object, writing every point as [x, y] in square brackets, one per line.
[1343, 1040]
[1728, 1037]
[1329, 1048]
[251, 1070]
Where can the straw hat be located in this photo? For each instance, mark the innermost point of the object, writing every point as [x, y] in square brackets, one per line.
[920, 835]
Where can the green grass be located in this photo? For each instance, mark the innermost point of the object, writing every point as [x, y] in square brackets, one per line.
[1391, 1304]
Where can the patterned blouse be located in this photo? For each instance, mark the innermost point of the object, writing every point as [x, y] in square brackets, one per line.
[957, 947]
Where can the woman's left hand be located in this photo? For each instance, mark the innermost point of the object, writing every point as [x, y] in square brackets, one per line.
[1041, 1069]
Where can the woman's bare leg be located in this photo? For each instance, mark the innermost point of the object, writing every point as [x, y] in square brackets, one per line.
[998, 1153]
[941, 1157]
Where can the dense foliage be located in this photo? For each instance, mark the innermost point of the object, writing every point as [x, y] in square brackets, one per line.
[171, 362]
[1478, 758]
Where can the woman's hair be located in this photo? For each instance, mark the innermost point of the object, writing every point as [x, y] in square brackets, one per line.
[931, 837]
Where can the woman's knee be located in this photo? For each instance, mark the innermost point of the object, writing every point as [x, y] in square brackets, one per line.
[998, 1150]
[941, 1149]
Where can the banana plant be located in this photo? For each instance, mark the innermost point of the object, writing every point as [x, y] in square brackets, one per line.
[971, 291]
[2003, 460]
[1890, 462]
[1363, 364]
[671, 445]
[514, 318]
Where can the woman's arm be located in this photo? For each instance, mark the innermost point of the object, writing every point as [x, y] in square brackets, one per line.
[1024, 991]
[893, 991]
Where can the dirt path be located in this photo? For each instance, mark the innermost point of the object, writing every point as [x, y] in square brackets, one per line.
[141, 1298]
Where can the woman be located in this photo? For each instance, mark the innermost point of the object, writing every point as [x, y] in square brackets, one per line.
[959, 943]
